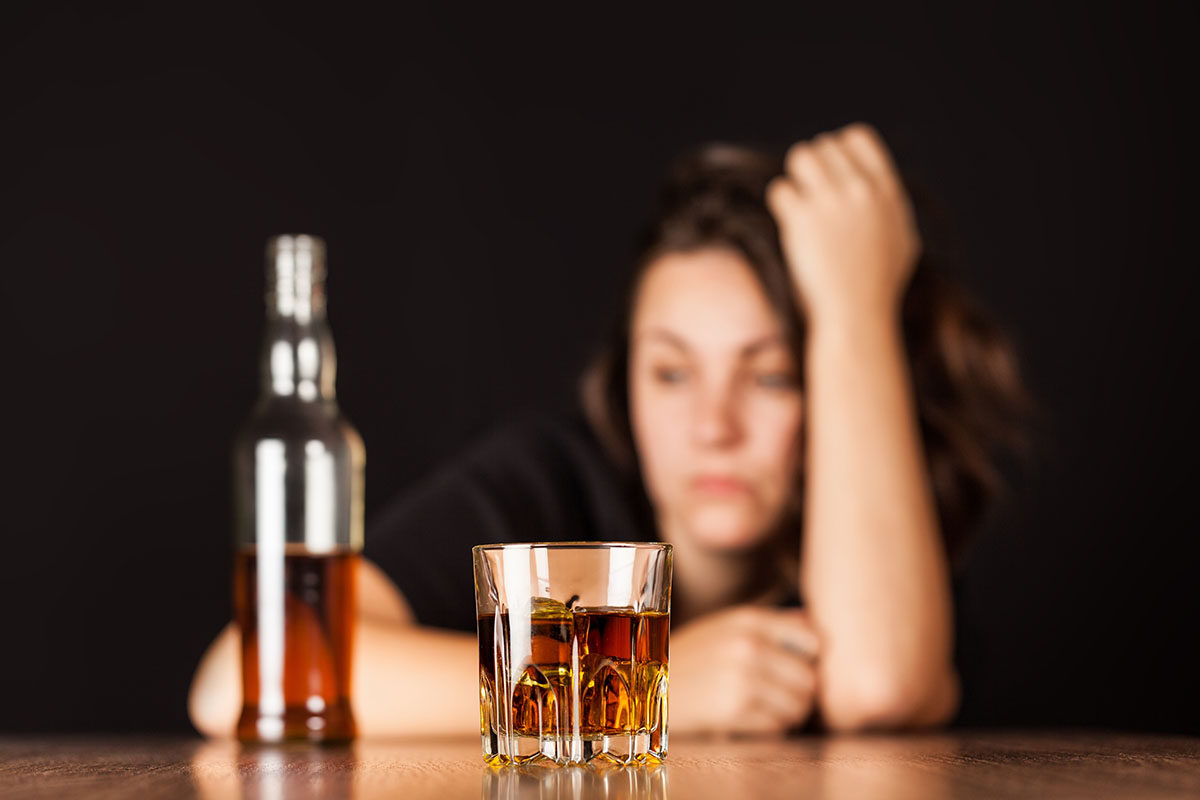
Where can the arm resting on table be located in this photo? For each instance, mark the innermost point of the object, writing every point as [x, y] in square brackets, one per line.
[874, 568]
[407, 679]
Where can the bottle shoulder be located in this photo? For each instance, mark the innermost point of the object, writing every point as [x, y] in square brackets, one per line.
[280, 418]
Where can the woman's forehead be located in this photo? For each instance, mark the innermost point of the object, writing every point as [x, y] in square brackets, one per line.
[704, 300]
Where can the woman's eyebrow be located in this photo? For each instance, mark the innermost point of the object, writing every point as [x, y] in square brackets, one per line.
[747, 350]
[664, 335]
[764, 343]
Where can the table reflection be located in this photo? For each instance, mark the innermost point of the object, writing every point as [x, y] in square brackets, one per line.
[831, 768]
[821, 768]
[885, 768]
[575, 783]
[232, 771]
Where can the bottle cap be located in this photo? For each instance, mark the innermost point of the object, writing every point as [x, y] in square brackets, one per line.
[295, 273]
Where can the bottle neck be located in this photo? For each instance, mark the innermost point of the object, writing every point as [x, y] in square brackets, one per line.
[298, 359]
[295, 294]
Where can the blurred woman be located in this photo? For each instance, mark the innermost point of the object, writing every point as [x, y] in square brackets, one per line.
[796, 398]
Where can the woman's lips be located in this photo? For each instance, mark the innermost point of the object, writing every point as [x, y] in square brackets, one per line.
[720, 485]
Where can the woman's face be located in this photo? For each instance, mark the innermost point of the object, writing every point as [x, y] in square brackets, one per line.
[714, 400]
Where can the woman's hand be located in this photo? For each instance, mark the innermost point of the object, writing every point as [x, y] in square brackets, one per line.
[746, 669]
[846, 224]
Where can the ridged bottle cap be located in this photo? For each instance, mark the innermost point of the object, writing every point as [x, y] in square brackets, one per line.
[295, 276]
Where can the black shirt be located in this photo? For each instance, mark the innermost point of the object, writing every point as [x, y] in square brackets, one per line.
[540, 479]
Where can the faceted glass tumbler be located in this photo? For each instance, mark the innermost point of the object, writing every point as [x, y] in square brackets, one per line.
[573, 651]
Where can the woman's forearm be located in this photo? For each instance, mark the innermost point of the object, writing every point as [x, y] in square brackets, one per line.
[874, 571]
[415, 680]
[407, 680]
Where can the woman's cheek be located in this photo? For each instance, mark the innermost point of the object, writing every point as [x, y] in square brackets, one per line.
[658, 430]
[778, 422]
[669, 431]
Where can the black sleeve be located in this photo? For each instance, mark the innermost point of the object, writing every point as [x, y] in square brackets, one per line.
[538, 480]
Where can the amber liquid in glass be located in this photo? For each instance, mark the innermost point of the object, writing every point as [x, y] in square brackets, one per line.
[296, 644]
[619, 655]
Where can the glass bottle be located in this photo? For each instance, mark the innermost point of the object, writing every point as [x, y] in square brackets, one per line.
[298, 471]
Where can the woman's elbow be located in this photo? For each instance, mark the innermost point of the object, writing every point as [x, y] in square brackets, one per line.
[215, 698]
[880, 701]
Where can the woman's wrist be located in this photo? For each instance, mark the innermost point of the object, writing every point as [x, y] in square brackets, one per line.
[849, 322]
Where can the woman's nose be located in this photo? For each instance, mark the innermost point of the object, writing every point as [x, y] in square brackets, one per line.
[716, 420]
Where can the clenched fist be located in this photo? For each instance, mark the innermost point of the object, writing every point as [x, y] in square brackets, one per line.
[846, 225]
[743, 670]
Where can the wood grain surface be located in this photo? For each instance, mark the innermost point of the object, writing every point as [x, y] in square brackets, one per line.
[997, 764]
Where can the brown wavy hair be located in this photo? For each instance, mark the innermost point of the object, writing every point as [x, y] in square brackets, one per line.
[971, 401]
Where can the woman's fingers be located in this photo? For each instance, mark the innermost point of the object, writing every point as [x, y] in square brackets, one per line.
[838, 163]
[787, 708]
[785, 699]
[840, 159]
[785, 671]
[785, 688]
[783, 199]
[867, 148]
[846, 226]
[791, 629]
[795, 672]
[805, 166]
[744, 670]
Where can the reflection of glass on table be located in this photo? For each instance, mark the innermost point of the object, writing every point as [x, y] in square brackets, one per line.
[573, 651]
[576, 783]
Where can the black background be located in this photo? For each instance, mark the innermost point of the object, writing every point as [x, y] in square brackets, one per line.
[478, 178]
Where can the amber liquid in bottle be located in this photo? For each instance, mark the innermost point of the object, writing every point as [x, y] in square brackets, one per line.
[298, 488]
[313, 627]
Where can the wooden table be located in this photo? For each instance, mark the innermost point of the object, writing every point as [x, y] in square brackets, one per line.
[927, 766]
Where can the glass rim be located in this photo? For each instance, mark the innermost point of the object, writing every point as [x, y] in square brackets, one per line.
[575, 545]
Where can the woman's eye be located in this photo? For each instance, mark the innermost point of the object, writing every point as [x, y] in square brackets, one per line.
[775, 380]
[670, 375]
